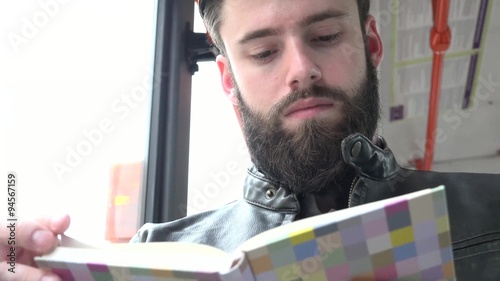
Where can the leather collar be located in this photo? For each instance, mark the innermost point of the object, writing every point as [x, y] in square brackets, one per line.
[262, 192]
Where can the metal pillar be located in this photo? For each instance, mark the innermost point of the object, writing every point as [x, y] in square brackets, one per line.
[165, 173]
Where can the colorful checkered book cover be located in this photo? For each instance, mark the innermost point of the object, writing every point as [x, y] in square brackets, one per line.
[403, 238]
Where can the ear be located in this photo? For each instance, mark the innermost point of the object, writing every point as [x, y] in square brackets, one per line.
[374, 42]
[228, 85]
[226, 80]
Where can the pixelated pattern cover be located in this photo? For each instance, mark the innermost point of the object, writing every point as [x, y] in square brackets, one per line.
[406, 238]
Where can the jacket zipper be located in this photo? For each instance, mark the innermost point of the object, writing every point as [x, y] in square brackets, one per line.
[354, 181]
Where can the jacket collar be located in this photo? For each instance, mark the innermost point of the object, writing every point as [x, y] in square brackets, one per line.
[262, 192]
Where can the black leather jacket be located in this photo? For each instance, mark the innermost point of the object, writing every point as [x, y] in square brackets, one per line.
[473, 203]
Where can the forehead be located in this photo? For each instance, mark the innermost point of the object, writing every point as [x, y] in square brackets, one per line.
[240, 16]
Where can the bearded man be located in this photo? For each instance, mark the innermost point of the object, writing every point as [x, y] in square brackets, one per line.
[302, 77]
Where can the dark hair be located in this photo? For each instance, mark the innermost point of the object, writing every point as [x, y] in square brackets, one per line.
[210, 11]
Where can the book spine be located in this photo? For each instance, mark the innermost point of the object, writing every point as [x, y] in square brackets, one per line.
[240, 271]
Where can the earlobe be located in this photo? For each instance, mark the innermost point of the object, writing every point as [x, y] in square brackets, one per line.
[374, 42]
[226, 78]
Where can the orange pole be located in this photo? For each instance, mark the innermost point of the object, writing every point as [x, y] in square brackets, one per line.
[440, 41]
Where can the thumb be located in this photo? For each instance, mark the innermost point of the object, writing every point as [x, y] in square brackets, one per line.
[56, 224]
[60, 224]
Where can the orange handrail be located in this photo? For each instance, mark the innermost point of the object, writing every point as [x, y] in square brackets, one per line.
[440, 41]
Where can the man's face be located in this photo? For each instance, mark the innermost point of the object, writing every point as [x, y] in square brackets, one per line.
[302, 81]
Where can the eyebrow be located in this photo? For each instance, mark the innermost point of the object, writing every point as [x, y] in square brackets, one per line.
[260, 33]
[265, 32]
[321, 17]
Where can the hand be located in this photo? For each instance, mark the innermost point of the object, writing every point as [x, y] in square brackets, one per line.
[32, 238]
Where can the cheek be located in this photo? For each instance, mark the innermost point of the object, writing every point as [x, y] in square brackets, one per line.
[346, 66]
[350, 55]
[260, 91]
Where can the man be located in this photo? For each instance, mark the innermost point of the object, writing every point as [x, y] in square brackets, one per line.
[301, 75]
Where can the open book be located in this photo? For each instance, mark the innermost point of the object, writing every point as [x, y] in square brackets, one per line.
[405, 237]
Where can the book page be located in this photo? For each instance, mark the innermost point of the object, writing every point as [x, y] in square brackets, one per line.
[136, 260]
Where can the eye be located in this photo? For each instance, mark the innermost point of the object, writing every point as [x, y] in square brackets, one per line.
[263, 56]
[327, 38]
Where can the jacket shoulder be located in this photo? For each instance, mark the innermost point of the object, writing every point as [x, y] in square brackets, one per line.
[224, 228]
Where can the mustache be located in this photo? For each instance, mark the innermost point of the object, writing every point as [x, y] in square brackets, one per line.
[333, 93]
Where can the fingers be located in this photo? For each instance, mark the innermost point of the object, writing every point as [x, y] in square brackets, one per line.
[21, 272]
[29, 235]
[31, 238]
[39, 236]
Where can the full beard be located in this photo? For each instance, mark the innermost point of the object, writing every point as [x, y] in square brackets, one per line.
[309, 160]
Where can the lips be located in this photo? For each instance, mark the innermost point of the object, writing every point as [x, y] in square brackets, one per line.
[310, 105]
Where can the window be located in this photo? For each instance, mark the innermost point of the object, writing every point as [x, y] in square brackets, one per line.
[77, 74]
[218, 154]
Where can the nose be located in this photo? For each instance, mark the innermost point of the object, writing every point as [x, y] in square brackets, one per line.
[302, 69]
